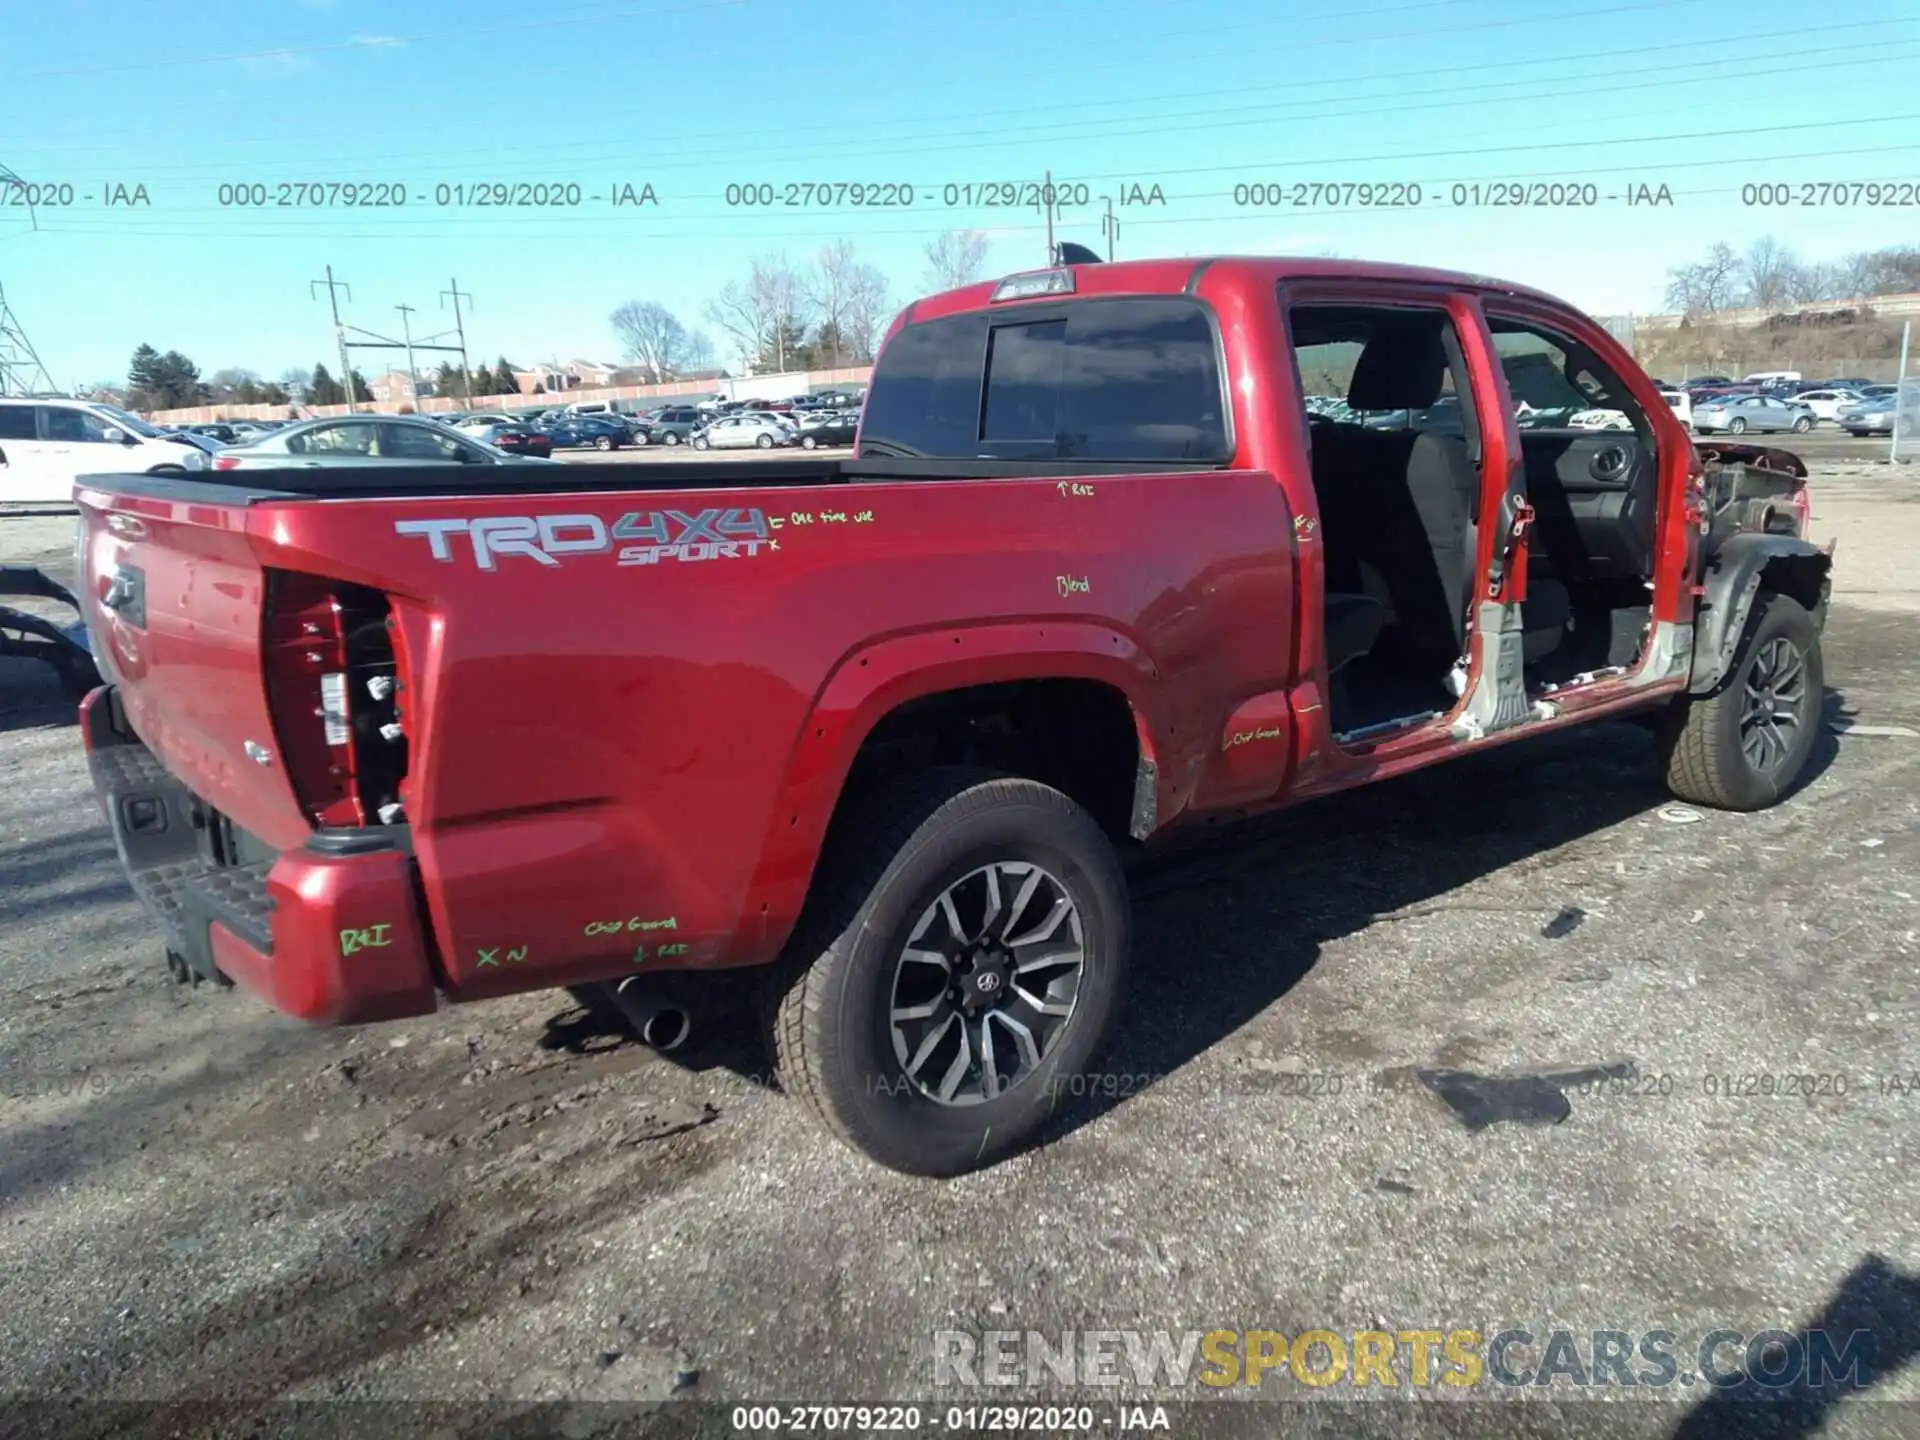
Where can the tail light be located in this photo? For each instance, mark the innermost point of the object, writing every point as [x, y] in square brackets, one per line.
[226, 462]
[337, 697]
[1803, 512]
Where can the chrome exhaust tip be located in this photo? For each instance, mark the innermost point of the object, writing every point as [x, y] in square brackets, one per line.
[660, 1023]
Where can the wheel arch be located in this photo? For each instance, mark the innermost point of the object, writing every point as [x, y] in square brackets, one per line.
[1737, 573]
[1091, 685]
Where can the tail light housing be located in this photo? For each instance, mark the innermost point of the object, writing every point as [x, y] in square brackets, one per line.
[226, 462]
[337, 697]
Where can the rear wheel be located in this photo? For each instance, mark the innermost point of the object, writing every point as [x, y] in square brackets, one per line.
[807, 441]
[699, 442]
[957, 972]
[765, 442]
[603, 442]
[672, 439]
[1743, 745]
[1737, 425]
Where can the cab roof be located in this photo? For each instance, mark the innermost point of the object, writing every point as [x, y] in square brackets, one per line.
[1215, 273]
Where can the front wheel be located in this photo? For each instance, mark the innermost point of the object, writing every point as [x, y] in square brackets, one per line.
[603, 442]
[1743, 745]
[640, 439]
[1802, 425]
[957, 970]
[672, 439]
[699, 442]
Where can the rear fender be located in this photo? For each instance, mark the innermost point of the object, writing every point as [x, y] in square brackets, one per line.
[1736, 573]
[872, 682]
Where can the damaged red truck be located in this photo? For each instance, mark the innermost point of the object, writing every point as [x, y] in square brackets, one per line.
[1121, 546]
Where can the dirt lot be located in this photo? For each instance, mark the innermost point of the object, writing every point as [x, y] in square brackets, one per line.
[202, 1201]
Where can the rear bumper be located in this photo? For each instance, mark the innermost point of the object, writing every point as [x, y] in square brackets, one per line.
[330, 932]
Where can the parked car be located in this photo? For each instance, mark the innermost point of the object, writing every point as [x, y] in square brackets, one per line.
[1742, 413]
[1872, 416]
[387, 702]
[1827, 404]
[834, 430]
[639, 431]
[511, 439]
[731, 432]
[575, 432]
[46, 444]
[1682, 405]
[225, 434]
[1874, 392]
[675, 424]
[1706, 382]
[355, 440]
[1846, 382]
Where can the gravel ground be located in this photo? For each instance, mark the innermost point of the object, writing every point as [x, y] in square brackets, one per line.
[201, 1201]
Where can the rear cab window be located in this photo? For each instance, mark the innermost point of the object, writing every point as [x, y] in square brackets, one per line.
[1108, 379]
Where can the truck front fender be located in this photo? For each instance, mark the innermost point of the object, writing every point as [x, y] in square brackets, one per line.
[873, 681]
[1737, 572]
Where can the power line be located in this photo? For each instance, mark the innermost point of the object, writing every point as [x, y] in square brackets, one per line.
[356, 159]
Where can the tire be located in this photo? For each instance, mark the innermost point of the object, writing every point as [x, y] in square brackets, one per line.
[671, 438]
[699, 442]
[168, 470]
[765, 442]
[1705, 747]
[1802, 425]
[1737, 425]
[603, 442]
[640, 439]
[806, 442]
[888, 864]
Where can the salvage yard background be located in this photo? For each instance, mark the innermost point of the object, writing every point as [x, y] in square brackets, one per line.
[200, 1198]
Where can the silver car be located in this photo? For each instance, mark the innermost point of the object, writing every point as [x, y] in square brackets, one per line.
[1737, 414]
[364, 440]
[731, 432]
[1869, 417]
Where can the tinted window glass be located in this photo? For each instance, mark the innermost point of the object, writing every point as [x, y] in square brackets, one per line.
[1130, 380]
[1142, 383]
[1023, 381]
[16, 422]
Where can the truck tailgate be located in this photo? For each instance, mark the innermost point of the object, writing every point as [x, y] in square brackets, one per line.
[172, 593]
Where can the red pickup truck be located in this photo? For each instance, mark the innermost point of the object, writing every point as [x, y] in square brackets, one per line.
[1120, 546]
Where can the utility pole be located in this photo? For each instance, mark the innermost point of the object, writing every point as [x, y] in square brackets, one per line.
[21, 372]
[1905, 411]
[460, 329]
[406, 334]
[1110, 227]
[339, 330]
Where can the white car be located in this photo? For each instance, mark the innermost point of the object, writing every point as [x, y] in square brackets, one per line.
[732, 432]
[47, 444]
[1600, 420]
[1827, 404]
[1682, 405]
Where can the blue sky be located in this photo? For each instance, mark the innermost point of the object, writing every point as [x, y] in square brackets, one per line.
[691, 96]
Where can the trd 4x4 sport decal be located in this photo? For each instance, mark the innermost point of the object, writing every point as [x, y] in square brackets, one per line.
[670, 535]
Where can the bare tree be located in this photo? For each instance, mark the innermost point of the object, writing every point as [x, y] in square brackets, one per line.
[827, 290]
[654, 338]
[761, 316]
[1707, 286]
[868, 311]
[699, 354]
[1770, 268]
[955, 258]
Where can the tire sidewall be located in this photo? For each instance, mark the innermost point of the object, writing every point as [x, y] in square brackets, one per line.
[892, 1119]
[1778, 616]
